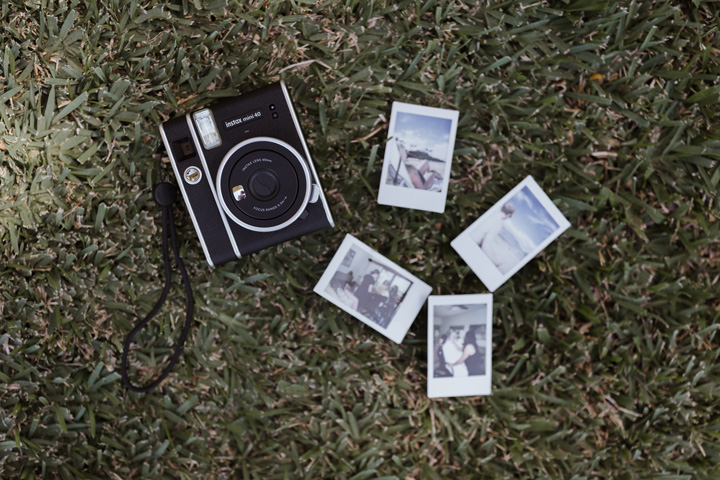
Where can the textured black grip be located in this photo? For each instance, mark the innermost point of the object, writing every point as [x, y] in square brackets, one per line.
[198, 198]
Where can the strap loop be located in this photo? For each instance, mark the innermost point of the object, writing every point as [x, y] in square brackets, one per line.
[165, 195]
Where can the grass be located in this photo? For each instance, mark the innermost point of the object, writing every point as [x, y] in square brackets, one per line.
[605, 346]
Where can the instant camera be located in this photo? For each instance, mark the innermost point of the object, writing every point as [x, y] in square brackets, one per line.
[246, 174]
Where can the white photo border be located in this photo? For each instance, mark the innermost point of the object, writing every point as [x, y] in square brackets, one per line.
[406, 311]
[463, 386]
[476, 259]
[410, 197]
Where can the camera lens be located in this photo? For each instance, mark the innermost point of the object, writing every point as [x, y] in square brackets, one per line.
[264, 185]
[259, 173]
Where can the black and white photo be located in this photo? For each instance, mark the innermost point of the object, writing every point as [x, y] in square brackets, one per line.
[459, 345]
[373, 289]
[418, 157]
[510, 233]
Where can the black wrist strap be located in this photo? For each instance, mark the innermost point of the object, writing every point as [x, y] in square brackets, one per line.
[165, 196]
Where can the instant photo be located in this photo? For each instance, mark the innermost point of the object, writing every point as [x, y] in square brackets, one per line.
[459, 345]
[418, 157]
[372, 289]
[510, 234]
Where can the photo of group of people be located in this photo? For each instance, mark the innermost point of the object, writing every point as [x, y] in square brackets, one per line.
[368, 287]
[459, 345]
[418, 157]
[373, 289]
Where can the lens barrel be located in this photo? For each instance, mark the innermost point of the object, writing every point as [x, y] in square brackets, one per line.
[274, 181]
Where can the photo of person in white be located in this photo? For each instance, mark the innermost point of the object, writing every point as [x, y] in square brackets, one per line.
[506, 236]
[500, 252]
[460, 340]
[452, 352]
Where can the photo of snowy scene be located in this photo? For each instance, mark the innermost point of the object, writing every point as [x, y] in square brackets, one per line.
[422, 143]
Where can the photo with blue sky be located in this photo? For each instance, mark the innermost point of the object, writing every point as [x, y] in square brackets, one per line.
[423, 133]
[530, 225]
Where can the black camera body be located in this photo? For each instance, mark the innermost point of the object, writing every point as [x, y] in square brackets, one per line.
[246, 174]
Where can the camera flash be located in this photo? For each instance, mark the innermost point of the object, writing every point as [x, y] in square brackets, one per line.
[208, 131]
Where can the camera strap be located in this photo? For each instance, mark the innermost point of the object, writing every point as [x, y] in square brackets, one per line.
[165, 195]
